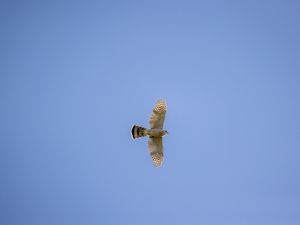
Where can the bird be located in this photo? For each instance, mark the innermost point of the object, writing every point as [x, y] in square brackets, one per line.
[155, 132]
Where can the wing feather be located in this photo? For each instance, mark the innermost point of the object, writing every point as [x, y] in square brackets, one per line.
[155, 146]
[157, 117]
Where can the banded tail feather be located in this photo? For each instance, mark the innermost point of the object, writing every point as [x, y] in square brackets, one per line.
[138, 131]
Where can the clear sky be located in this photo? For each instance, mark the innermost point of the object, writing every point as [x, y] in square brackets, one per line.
[75, 76]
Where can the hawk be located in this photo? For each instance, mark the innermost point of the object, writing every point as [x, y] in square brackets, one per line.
[155, 132]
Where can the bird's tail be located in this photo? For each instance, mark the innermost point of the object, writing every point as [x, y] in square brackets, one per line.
[138, 131]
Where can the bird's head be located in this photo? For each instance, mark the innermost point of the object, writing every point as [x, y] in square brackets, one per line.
[164, 132]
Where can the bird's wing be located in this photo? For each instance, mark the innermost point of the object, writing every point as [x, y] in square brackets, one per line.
[155, 146]
[158, 114]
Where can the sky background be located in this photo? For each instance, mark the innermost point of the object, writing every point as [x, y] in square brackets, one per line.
[75, 76]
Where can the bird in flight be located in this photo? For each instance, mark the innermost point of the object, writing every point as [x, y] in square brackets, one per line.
[155, 132]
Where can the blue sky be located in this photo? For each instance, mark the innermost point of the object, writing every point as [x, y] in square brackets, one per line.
[75, 75]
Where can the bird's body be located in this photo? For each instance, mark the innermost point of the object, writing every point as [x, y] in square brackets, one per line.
[155, 132]
[138, 131]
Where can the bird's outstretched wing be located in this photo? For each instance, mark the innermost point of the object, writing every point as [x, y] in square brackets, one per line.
[158, 114]
[156, 150]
